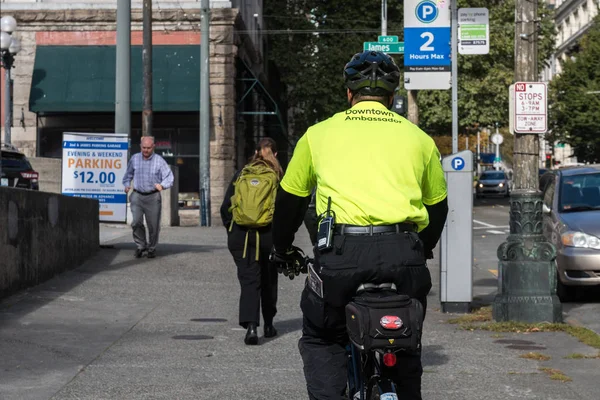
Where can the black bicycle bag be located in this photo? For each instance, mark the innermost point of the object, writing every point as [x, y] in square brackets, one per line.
[385, 321]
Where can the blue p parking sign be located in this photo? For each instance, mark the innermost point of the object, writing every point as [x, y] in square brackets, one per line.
[427, 37]
[426, 11]
[458, 163]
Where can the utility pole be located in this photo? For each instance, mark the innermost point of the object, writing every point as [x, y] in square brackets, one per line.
[412, 107]
[123, 72]
[147, 66]
[527, 272]
[204, 115]
[383, 17]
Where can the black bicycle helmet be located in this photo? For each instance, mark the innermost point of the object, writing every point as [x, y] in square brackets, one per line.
[372, 73]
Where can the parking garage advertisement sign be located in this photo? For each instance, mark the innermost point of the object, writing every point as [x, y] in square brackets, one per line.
[93, 166]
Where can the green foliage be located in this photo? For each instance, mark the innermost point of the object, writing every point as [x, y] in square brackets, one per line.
[574, 112]
[312, 64]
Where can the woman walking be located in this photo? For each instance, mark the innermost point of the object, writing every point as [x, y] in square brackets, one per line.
[247, 213]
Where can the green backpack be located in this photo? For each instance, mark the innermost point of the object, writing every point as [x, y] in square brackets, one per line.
[253, 201]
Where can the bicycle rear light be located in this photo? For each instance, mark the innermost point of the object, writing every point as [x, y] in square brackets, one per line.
[389, 359]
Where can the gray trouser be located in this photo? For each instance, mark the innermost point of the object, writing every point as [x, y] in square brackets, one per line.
[150, 207]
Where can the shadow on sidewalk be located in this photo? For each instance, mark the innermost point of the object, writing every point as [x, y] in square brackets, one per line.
[110, 257]
[284, 327]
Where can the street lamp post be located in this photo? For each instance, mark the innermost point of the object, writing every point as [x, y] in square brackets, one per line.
[526, 269]
[10, 46]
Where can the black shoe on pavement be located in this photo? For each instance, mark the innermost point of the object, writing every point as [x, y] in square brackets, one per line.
[251, 335]
[139, 253]
[270, 331]
[151, 253]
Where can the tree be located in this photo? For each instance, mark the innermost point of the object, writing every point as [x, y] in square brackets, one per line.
[311, 64]
[291, 47]
[575, 99]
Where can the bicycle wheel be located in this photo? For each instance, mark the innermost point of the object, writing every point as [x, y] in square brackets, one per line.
[382, 390]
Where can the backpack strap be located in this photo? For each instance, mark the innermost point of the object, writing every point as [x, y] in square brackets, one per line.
[245, 253]
[245, 245]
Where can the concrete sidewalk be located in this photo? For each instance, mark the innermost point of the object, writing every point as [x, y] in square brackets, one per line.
[166, 328]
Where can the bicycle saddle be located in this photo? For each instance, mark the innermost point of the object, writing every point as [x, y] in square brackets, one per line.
[372, 287]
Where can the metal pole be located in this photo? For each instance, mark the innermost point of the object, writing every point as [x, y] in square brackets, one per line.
[383, 17]
[526, 269]
[204, 115]
[7, 99]
[497, 168]
[478, 152]
[454, 52]
[123, 70]
[147, 65]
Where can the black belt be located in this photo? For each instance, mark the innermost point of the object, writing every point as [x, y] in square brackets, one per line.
[146, 193]
[343, 229]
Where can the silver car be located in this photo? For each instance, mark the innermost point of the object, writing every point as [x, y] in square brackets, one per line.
[492, 183]
[572, 223]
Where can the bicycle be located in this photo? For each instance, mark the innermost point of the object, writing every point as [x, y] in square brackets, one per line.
[369, 368]
[373, 347]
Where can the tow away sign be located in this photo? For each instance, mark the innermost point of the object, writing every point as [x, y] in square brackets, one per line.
[530, 107]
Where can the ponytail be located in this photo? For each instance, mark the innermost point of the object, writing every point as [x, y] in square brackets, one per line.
[265, 151]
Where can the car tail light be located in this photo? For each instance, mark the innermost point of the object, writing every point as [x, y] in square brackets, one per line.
[391, 322]
[389, 359]
[30, 175]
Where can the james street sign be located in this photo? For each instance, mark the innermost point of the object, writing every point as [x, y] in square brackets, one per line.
[390, 48]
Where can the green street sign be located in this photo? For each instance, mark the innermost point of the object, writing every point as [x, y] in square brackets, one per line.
[387, 39]
[390, 48]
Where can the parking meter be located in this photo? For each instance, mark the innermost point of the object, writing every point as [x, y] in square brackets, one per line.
[456, 243]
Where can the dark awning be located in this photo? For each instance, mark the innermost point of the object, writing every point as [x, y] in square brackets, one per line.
[82, 79]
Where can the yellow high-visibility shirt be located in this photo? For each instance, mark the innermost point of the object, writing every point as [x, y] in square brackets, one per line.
[377, 167]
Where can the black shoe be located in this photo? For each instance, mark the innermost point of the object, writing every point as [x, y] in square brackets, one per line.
[151, 253]
[139, 253]
[251, 335]
[270, 331]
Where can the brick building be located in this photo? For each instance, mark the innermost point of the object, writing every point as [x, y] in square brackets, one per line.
[64, 81]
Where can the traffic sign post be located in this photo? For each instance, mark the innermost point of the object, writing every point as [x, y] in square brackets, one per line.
[427, 37]
[530, 107]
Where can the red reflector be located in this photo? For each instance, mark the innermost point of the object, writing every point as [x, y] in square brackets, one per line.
[389, 359]
[391, 322]
[30, 175]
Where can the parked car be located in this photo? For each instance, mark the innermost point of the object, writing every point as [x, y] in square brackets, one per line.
[571, 222]
[16, 169]
[492, 183]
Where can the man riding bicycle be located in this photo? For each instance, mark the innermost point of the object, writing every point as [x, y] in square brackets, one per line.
[381, 197]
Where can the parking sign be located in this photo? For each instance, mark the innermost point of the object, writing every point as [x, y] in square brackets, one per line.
[530, 107]
[427, 62]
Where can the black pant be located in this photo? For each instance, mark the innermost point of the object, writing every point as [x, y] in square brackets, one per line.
[354, 260]
[258, 281]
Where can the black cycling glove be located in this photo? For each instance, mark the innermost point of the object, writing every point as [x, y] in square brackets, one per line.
[290, 263]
